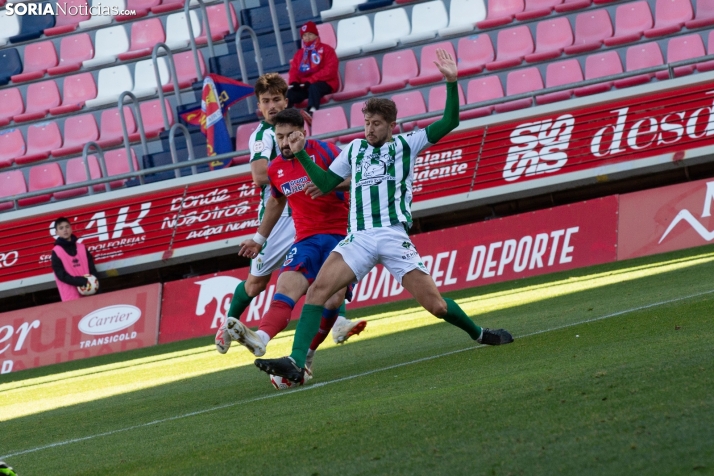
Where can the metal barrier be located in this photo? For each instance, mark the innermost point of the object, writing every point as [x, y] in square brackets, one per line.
[174, 79]
[139, 127]
[291, 19]
[100, 159]
[192, 38]
[241, 57]
[189, 147]
[276, 30]
[227, 5]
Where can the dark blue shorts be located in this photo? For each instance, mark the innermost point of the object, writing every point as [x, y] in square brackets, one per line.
[307, 256]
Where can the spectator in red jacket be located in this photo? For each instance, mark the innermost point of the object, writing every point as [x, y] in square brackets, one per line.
[313, 70]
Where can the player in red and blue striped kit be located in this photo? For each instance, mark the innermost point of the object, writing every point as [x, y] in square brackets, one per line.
[320, 223]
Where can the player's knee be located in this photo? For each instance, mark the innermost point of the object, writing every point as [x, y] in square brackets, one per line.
[317, 294]
[252, 289]
[437, 307]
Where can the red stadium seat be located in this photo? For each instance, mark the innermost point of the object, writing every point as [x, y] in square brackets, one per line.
[110, 130]
[153, 118]
[186, 70]
[437, 102]
[78, 130]
[397, 68]
[12, 146]
[43, 177]
[708, 65]
[591, 29]
[570, 5]
[167, 6]
[552, 36]
[75, 172]
[10, 105]
[73, 51]
[537, 8]
[78, 89]
[331, 119]
[327, 34]
[597, 66]
[484, 88]
[519, 82]
[501, 12]
[11, 183]
[513, 45]
[645, 55]
[704, 16]
[429, 73]
[356, 120]
[631, 21]
[474, 52]
[40, 98]
[682, 48]
[559, 74]
[117, 163]
[670, 17]
[142, 5]
[42, 138]
[218, 20]
[69, 20]
[38, 58]
[242, 139]
[144, 35]
[360, 75]
[409, 104]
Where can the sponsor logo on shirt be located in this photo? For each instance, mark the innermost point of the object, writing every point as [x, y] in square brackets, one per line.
[375, 169]
[297, 185]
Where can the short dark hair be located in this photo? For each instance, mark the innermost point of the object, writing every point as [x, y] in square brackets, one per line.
[271, 83]
[384, 107]
[291, 117]
[61, 220]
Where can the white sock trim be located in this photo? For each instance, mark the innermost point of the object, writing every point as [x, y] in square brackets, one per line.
[263, 336]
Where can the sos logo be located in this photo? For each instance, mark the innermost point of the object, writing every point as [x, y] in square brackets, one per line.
[8, 259]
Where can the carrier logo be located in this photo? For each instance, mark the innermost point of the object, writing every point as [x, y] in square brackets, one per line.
[110, 319]
[219, 289]
[538, 148]
[8, 259]
[297, 185]
[686, 216]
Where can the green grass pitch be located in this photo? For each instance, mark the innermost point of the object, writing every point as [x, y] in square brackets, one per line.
[612, 372]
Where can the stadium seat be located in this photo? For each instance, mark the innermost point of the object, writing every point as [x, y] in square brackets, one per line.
[9, 26]
[143, 6]
[67, 22]
[177, 34]
[373, 5]
[428, 72]
[552, 36]
[218, 20]
[597, 66]
[352, 35]
[11, 105]
[145, 77]
[78, 130]
[144, 35]
[631, 21]
[704, 15]
[437, 102]
[463, 16]
[537, 9]
[75, 172]
[708, 65]
[39, 99]
[117, 163]
[11, 183]
[644, 55]
[42, 139]
[38, 57]
[570, 5]
[356, 120]
[397, 68]
[108, 44]
[484, 88]
[389, 27]
[591, 29]
[518, 82]
[186, 69]
[138, 12]
[32, 26]
[153, 119]
[110, 130]
[327, 34]
[74, 50]
[243, 133]
[77, 90]
[340, 8]
[10, 65]
[43, 177]
[331, 119]
[473, 53]
[408, 104]
[111, 82]
[99, 20]
[427, 19]
[12, 146]
[670, 17]
[682, 48]
[360, 75]
[169, 6]
[512, 46]
[559, 74]
[501, 12]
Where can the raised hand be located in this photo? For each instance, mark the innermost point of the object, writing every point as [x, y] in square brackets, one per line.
[446, 65]
[296, 139]
[249, 249]
[312, 190]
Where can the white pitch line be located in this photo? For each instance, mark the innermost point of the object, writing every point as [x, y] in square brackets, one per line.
[343, 379]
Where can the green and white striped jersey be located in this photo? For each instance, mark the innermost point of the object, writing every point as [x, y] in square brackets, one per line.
[262, 145]
[381, 189]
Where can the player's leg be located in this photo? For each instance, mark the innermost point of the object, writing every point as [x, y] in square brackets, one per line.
[329, 316]
[242, 296]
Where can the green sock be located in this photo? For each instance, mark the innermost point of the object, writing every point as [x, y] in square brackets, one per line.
[457, 317]
[307, 327]
[240, 301]
[342, 311]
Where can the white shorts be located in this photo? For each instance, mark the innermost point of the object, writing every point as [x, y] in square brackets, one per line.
[272, 255]
[389, 246]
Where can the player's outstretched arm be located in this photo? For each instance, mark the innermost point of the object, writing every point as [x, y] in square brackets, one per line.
[436, 131]
[251, 247]
[326, 180]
